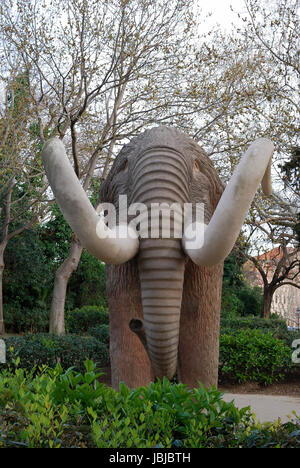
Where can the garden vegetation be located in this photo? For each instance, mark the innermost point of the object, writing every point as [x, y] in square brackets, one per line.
[49, 407]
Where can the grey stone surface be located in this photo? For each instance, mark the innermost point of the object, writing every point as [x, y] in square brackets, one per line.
[2, 352]
[267, 408]
[176, 302]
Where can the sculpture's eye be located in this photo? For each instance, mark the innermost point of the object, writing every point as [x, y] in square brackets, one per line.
[196, 166]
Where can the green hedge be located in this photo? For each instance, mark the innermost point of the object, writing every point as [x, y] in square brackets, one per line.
[245, 354]
[253, 355]
[69, 350]
[276, 326]
[79, 321]
[19, 319]
[101, 333]
[253, 323]
[66, 409]
[291, 336]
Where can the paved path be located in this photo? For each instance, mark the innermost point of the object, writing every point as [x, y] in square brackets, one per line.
[266, 407]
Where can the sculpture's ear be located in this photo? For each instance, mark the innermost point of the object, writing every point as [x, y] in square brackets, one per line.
[226, 222]
[116, 245]
[106, 193]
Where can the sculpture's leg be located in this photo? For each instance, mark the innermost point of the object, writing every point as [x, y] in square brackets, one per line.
[200, 325]
[129, 360]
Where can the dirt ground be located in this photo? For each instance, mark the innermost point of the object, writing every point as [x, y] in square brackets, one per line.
[289, 388]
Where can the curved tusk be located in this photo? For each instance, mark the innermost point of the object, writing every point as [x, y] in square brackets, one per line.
[223, 229]
[266, 182]
[112, 246]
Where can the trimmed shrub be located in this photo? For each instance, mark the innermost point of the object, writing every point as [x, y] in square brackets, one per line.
[291, 336]
[44, 349]
[252, 322]
[79, 321]
[57, 409]
[253, 355]
[275, 326]
[101, 333]
[24, 319]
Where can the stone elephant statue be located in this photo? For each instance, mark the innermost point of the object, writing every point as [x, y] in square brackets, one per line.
[164, 292]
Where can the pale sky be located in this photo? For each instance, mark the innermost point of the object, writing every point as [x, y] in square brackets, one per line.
[221, 11]
[221, 14]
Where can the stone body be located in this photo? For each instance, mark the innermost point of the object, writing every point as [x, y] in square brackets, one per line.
[178, 301]
[2, 352]
[164, 297]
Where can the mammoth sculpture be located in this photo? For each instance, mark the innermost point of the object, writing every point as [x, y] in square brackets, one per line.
[164, 297]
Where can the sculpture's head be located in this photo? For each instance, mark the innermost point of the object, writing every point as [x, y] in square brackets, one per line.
[162, 166]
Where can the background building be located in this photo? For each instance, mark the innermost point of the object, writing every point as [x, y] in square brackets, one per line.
[286, 298]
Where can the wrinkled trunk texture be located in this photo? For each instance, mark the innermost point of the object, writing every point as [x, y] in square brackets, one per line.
[63, 274]
[200, 325]
[128, 358]
[164, 309]
[161, 177]
[161, 267]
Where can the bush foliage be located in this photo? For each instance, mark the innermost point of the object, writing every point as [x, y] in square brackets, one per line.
[246, 352]
[275, 326]
[238, 297]
[81, 320]
[253, 355]
[20, 319]
[101, 333]
[44, 349]
[56, 408]
[28, 285]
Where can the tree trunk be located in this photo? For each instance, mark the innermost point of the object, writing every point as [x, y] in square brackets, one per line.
[63, 274]
[161, 260]
[267, 302]
[4, 240]
[161, 267]
[2, 326]
[200, 325]
[129, 360]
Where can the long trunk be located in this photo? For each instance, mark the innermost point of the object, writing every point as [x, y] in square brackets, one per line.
[161, 266]
[63, 274]
[267, 302]
[161, 177]
[2, 326]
